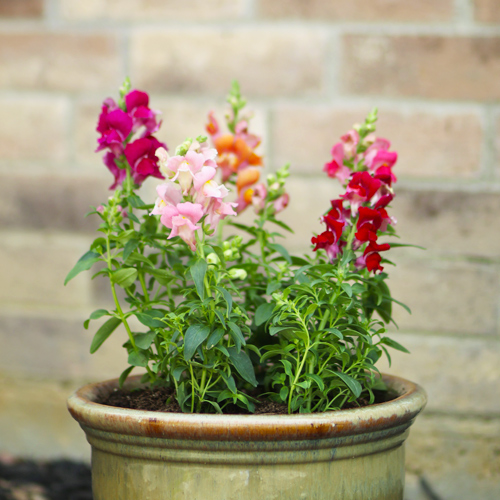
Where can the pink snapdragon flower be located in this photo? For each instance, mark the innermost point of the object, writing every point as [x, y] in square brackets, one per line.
[218, 210]
[185, 169]
[169, 194]
[350, 143]
[182, 219]
[336, 168]
[378, 154]
[281, 203]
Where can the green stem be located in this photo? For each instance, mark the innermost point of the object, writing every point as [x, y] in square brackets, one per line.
[304, 358]
[144, 289]
[202, 388]
[115, 298]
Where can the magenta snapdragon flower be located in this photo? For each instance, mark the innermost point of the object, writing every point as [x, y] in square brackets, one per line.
[120, 135]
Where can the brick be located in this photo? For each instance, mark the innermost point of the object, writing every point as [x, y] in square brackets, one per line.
[152, 10]
[267, 62]
[459, 375]
[59, 61]
[13, 9]
[20, 136]
[444, 297]
[433, 67]
[33, 268]
[457, 456]
[497, 146]
[487, 11]
[60, 206]
[449, 223]
[59, 347]
[309, 199]
[304, 136]
[357, 10]
[34, 420]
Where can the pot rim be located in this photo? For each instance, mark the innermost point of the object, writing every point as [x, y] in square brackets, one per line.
[400, 411]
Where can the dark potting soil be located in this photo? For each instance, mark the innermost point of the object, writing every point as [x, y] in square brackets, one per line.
[54, 480]
[162, 399]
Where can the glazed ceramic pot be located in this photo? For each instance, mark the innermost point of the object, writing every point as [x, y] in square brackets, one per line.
[355, 454]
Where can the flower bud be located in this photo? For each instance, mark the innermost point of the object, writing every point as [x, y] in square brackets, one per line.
[213, 259]
[228, 254]
[183, 148]
[237, 274]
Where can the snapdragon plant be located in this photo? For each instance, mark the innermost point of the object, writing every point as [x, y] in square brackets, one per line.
[228, 315]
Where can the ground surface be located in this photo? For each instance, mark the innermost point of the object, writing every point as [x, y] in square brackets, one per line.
[55, 480]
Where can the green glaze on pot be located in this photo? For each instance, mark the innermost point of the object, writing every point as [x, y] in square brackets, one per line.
[353, 454]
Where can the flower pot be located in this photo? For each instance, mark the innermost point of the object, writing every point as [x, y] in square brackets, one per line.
[349, 454]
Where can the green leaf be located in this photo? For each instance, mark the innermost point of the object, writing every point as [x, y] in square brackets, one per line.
[272, 286]
[135, 201]
[311, 309]
[273, 330]
[243, 365]
[347, 289]
[103, 333]
[130, 246]
[280, 224]
[263, 313]
[395, 345]
[194, 336]
[236, 334]
[137, 258]
[284, 393]
[336, 332]
[281, 250]
[124, 375]
[124, 277]
[220, 316]
[99, 313]
[144, 340]
[287, 366]
[177, 372]
[85, 262]
[353, 384]
[218, 251]
[229, 380]
[138, 358]
[227, 297]
[162, 276]
[198, 270]
[132, 217]
[317, 379]
[215, 337]
[151, 318]
[98, 243]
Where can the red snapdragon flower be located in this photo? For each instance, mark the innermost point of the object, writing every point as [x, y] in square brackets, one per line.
[371, 257]
[368, 224]
[361, 188]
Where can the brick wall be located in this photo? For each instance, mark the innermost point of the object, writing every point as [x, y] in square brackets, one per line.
[310, 69]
